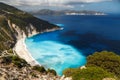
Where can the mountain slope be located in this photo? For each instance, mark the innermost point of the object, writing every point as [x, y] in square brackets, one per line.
[16, 24]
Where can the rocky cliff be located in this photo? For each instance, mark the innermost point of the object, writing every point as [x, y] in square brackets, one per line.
[16, 24]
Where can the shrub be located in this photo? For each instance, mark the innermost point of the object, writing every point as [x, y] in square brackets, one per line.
[52, 71]
[39, 68]
[90, 73]
[106, 60]
[10, 51]
[15, 60]
[33, 74]
[7, 60]
[18, 62]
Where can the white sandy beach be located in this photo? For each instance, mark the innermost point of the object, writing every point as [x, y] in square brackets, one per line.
[22, 52]
[21, 49]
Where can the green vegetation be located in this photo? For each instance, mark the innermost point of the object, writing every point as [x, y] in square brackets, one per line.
[106, 60]
[10, 51]
[5, 7]
[21, 19]
[100, 65]
[24, 19]
[39, 68]
[10, 15]
[18, 61]
[34, 75]
[5, 33]
[43, 70]
[51, 71]
[15, 60]
[90, 73]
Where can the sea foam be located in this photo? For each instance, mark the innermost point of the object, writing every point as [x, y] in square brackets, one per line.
[55, 55]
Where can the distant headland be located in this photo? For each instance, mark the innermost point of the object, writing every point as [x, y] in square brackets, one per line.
[66, 12]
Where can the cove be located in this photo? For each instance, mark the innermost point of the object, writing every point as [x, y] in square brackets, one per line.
[81, 37]
[51, 53]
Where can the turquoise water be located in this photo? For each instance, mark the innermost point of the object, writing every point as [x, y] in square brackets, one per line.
[51, 53]
[81, 36]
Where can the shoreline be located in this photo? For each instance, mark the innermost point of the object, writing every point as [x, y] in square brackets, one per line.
[22, 51]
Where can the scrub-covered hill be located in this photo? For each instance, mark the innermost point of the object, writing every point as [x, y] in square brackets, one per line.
[15, 24]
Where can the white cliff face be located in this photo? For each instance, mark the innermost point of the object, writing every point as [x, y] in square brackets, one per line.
[20, 47]
[19, 34]
[31, 30]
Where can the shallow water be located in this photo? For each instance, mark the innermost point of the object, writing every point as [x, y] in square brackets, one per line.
[51, 53]
[82, 35]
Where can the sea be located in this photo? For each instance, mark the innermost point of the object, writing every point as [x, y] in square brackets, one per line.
[81, 37]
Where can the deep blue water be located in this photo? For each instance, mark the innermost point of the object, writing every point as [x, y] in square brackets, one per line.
[82, 36]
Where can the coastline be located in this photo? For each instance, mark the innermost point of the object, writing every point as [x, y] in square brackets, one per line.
[21, 50]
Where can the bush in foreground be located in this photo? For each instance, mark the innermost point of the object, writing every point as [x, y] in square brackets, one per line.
[43, 70]
[15, 60]
[106, 60]
[90, 73]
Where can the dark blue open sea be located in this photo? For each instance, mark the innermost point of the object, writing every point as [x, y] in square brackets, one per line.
[81, 36]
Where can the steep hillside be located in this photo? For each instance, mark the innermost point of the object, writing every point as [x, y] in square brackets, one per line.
[15, 24]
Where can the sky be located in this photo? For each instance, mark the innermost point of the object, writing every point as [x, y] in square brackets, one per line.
[107, 6]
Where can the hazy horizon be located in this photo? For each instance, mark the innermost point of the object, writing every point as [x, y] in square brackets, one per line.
[107, 6]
